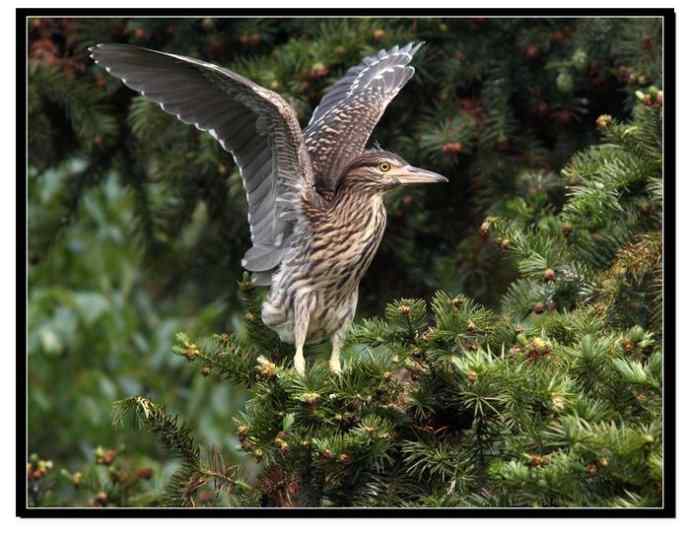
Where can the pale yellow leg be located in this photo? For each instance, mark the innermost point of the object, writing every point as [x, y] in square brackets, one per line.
[337, 341]
[301, 328]
[334, 363]
[299, 361]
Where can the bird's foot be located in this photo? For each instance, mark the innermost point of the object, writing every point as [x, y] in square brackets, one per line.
[334, 365]
[300, 366]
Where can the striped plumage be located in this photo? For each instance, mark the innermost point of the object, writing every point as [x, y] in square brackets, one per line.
[316, 286]
[315, 199]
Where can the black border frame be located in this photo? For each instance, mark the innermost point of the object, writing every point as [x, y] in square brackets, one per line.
[669, 235]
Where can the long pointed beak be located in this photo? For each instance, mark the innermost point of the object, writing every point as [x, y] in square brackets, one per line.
[410, 175]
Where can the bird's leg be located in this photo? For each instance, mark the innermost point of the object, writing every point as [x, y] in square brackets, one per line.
[301, 328]
[337, 341]
[338, 338]
[299, 360]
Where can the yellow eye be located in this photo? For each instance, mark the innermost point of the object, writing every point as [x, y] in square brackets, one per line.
[384, 166]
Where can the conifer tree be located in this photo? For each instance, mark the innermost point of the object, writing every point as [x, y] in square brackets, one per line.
[554, 399]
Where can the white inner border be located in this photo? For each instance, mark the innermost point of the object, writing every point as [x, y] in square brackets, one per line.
[8, 229]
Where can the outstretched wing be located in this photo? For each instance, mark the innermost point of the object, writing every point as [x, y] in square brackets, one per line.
[255, 125]
[342, 123]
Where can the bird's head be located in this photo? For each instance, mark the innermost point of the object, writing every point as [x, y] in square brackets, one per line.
[378, 171]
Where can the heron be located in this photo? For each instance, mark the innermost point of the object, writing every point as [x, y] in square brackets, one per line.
[315, 196]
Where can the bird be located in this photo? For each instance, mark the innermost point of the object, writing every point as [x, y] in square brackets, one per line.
[315, 196]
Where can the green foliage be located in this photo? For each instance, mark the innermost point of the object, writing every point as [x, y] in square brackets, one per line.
[187, 484]
[99, 329]
[107, 480]
[548, 401]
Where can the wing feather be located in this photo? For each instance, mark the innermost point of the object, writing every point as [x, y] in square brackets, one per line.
[347, 114]
[255, 125]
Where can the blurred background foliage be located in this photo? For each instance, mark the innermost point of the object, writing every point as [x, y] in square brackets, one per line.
[137, 223]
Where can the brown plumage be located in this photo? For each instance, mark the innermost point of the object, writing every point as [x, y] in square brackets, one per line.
[315, 199]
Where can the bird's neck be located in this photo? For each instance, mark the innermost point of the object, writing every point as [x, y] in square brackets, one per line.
[355, 208]
[357, 223]
[361, 219]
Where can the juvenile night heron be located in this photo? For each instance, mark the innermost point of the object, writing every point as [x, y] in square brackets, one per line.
[316, 212]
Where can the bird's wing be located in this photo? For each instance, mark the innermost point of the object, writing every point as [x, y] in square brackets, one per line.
[344, 119]
[255, 125]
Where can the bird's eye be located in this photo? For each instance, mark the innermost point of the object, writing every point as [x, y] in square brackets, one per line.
[384, 167]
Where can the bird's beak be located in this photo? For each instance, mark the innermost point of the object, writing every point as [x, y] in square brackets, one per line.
[409, 175]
